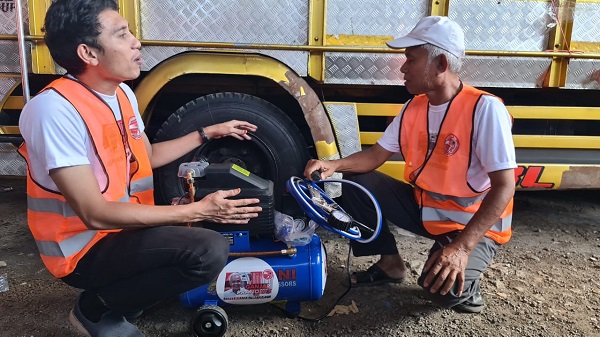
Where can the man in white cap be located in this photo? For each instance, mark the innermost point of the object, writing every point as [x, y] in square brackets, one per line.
[460, 158]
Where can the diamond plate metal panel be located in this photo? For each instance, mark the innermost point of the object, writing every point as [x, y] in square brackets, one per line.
[6, 85]
[266, 21]
[521, 26]
[362, 68]
[9, 57]
[9, 50]
[585, 23]
[8, 19]
[509, 25]
[296, 60]
[583, 74]
[485, 71]
[11, 163]
[374, 17]
[513, 72]
[345, 126]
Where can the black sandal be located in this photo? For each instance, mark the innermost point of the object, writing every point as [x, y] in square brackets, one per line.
[373, 276]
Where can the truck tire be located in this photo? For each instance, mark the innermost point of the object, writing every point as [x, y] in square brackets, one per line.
[276, 151]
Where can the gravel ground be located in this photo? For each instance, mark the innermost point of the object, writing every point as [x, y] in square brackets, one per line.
[545, 282]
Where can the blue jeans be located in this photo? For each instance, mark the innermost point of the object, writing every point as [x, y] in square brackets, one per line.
[134, 269]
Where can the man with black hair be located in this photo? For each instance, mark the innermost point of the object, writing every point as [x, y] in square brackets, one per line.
[90, 186]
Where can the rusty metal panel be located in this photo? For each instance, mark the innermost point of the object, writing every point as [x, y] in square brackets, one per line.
[578, 177]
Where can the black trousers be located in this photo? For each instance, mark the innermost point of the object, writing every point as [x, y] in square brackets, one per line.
[398, 205]
[134, 269]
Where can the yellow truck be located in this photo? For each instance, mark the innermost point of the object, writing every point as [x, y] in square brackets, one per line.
[318, 80]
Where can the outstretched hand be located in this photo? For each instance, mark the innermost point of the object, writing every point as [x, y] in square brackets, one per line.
[444, 268]
[233, 128]
[215, 207]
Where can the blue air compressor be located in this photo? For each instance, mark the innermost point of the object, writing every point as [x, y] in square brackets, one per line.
[275, 258]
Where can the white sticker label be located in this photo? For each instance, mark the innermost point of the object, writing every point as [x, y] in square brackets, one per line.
[247, 280]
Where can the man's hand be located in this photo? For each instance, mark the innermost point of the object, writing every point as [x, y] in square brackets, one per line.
[446, 267]
[215, 207]
[324, 168]
[358, 162]
[233, 128]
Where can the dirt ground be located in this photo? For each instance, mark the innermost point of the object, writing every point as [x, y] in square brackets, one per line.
[545, 282]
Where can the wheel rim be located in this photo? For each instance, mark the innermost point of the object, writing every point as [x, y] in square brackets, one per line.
[252, 155]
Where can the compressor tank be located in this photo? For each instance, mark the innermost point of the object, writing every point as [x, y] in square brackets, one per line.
[296, 278]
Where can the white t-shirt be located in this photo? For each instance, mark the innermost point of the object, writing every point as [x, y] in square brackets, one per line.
[493, 148]
[56, 135]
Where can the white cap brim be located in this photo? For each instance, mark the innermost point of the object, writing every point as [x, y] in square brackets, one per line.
[405, 42]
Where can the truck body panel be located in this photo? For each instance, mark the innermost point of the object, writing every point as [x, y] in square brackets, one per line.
[325, 64]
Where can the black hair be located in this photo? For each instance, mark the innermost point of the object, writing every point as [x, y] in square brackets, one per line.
[70, 23]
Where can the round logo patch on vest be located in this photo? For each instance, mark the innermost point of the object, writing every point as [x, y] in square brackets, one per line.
[134, 128]
[451, 145]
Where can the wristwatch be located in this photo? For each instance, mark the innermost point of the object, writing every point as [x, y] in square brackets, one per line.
[203, 135]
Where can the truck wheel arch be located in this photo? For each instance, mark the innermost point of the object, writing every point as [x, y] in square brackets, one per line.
[200, 62]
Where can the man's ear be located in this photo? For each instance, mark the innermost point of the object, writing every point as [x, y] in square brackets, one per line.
[442, 63]
[87, 54]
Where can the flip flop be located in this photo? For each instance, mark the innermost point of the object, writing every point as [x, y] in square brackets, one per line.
[373, 276]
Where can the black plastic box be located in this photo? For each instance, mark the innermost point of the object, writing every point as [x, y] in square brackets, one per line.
[226, 176]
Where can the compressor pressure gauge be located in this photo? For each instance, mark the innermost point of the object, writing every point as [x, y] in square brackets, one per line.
[339, 220]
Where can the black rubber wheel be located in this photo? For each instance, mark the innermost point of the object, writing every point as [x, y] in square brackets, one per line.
[276, 152]
[209, 321]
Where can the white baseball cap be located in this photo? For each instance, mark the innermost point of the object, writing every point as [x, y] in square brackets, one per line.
[436, 30]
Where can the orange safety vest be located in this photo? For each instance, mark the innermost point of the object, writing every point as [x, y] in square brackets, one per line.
[62, 238]
[447, 200]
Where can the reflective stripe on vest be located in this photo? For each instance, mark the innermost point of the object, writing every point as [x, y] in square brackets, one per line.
[66, 247]
[440, 215]
[464, 202]
[447, 200]
[142, 185]
[62, 238]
